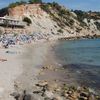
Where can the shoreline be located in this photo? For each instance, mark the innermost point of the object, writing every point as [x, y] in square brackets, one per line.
[26, 74]
[48, 68]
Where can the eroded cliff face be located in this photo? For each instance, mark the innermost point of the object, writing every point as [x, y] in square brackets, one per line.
[42, 24]
[22, 10]
[55, 20]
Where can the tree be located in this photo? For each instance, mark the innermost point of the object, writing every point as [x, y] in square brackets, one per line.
[35, 1]
[17, 3]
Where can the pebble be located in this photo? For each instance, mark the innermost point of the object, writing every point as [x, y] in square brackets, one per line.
[49, 94]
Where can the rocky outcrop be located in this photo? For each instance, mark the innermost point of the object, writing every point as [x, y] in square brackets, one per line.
[49, 20]
[28, 9]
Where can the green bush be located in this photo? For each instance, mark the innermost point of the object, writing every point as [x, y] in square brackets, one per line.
[35, 1]
[27, 20]
[71, 22]
[60, 31]
[45, 7]
[16, 4]
[98, 25]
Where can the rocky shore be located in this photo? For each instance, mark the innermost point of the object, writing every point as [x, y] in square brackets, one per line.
[45, 79]
[54, 90]
[37, 75]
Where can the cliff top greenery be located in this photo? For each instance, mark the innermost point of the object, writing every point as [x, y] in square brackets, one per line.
[24, 2]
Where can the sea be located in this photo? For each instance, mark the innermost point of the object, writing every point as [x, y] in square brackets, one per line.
[82, 59]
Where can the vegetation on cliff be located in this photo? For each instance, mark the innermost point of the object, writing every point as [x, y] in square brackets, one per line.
[35, 1]
[59, 14]
[16, 4]
[24, 2]
[27, 20]
[81, 15]
[3, 11]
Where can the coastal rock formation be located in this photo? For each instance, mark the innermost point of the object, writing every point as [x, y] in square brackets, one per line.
[51, 20]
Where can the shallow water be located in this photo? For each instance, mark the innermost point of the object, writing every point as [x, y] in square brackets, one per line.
[82, 58]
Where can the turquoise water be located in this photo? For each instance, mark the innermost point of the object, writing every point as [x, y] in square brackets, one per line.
[81, 57]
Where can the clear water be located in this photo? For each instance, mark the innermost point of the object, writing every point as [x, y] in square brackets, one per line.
[81, 57]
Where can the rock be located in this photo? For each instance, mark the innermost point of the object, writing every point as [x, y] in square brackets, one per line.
[41, 84]
[16, 95]
[97, 97]
[36, 97]
[47, 98]
[91, 91]
[91, 97]
[49, 94]
[70, 92]
[78, 88]
[48, 67]
[74, 96]
[41, 73]
[83, 98]
[57, 98]
[66, 95]
[84, 94]
[72, 88]
[54, 87]
[2, 59]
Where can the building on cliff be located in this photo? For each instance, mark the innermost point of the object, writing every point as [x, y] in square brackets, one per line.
[9, 22]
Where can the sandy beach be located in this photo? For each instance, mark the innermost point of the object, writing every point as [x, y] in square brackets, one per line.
[20, 70]
[10, 70]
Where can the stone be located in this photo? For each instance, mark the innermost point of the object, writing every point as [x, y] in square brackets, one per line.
[49, 94]
[97, 97]
[84, 94]
[91, 97]
[91, 91]
[74, 95]
[47, 98]
[41, 84]
[69, 92]
[66, 95]
[16, 95]
[48, 67]
[83, 98]
[57, 98]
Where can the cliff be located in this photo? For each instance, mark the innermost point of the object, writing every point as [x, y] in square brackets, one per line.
[52, 19]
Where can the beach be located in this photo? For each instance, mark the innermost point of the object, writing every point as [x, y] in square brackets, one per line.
[11, 68]
[27, 68]
[21, 67]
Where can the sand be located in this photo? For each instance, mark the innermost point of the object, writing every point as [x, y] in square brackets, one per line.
[9, 71]
[21, 68]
